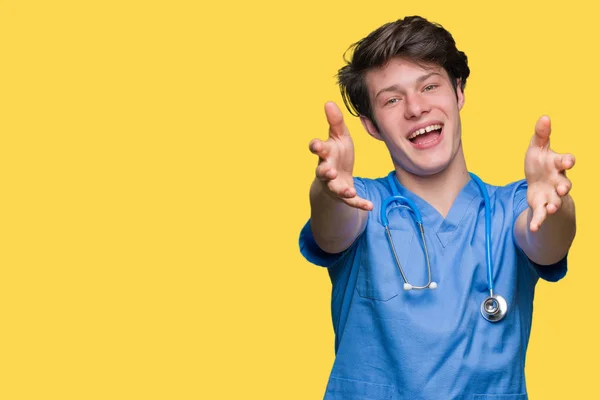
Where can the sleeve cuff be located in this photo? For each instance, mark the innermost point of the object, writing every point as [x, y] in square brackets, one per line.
[313, 253]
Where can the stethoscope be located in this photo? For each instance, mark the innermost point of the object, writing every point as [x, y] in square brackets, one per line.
[494, 307]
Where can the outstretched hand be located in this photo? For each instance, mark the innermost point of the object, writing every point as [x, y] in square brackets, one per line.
[545, 171]
[336, 160]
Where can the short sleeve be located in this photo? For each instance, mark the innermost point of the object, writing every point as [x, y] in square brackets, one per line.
[311, 251]
[550, 273]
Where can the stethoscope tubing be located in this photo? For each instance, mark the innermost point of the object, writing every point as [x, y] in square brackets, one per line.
[494, 307]
[488, 231]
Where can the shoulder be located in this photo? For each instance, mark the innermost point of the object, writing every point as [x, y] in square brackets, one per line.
[374, 187]
[509, 189]
[375, 190]
[511, 196]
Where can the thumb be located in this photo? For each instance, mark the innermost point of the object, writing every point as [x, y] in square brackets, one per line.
[541, 137]
[337, 127]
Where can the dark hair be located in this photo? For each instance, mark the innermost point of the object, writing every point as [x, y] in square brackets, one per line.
[412, 37]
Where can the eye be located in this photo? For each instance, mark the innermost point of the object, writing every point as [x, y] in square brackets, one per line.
[392, 101]
[429, 87]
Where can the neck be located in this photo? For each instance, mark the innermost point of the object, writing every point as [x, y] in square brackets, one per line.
[441, 189]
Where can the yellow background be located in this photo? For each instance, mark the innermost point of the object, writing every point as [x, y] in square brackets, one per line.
[154, 175]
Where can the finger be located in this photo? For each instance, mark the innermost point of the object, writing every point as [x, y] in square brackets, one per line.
[325, 172]
[539, 215]
[320, 148]
[347, 194]
[360, 203]
[337, 127]
[554, 203]
[563, 187]
[315, 146]
[342, 189]
[564, 162]
[537, 200]
[541, 137]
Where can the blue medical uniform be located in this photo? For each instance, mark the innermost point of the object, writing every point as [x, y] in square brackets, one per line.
[431, 344]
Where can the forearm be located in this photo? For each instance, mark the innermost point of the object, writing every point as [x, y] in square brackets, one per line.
[335, 225]
[551, 242]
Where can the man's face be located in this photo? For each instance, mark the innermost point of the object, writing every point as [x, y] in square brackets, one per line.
[417, 115]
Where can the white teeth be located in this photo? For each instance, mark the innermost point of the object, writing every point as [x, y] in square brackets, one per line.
[424, 130]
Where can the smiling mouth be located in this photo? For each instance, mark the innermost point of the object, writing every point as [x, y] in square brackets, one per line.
[426, 135]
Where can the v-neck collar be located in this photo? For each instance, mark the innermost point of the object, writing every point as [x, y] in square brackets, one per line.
[444, 228]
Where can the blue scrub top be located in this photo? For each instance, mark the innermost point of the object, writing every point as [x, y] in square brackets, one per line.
[431, 344]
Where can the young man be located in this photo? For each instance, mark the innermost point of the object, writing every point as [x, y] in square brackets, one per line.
[406, 82]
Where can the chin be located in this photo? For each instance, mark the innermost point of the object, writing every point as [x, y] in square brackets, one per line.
[430, 171]
[431, 167]
[423, 170]
[427, 163]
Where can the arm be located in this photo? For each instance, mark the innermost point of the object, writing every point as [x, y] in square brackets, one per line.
[546, 230]
[335, 225]
[338, 215]
[551, 242]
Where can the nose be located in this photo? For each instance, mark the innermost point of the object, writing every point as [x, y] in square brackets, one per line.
[416, 106]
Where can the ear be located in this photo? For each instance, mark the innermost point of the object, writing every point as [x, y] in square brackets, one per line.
[460, 95]
[370, 127]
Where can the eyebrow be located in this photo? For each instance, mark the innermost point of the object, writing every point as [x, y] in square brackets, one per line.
[395, 87]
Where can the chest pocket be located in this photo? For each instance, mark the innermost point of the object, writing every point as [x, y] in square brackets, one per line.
[379, 277]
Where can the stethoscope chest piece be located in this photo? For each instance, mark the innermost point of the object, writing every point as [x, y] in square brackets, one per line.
[494, 308]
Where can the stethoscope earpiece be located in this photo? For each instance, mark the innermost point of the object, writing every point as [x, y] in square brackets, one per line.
[408, 286]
